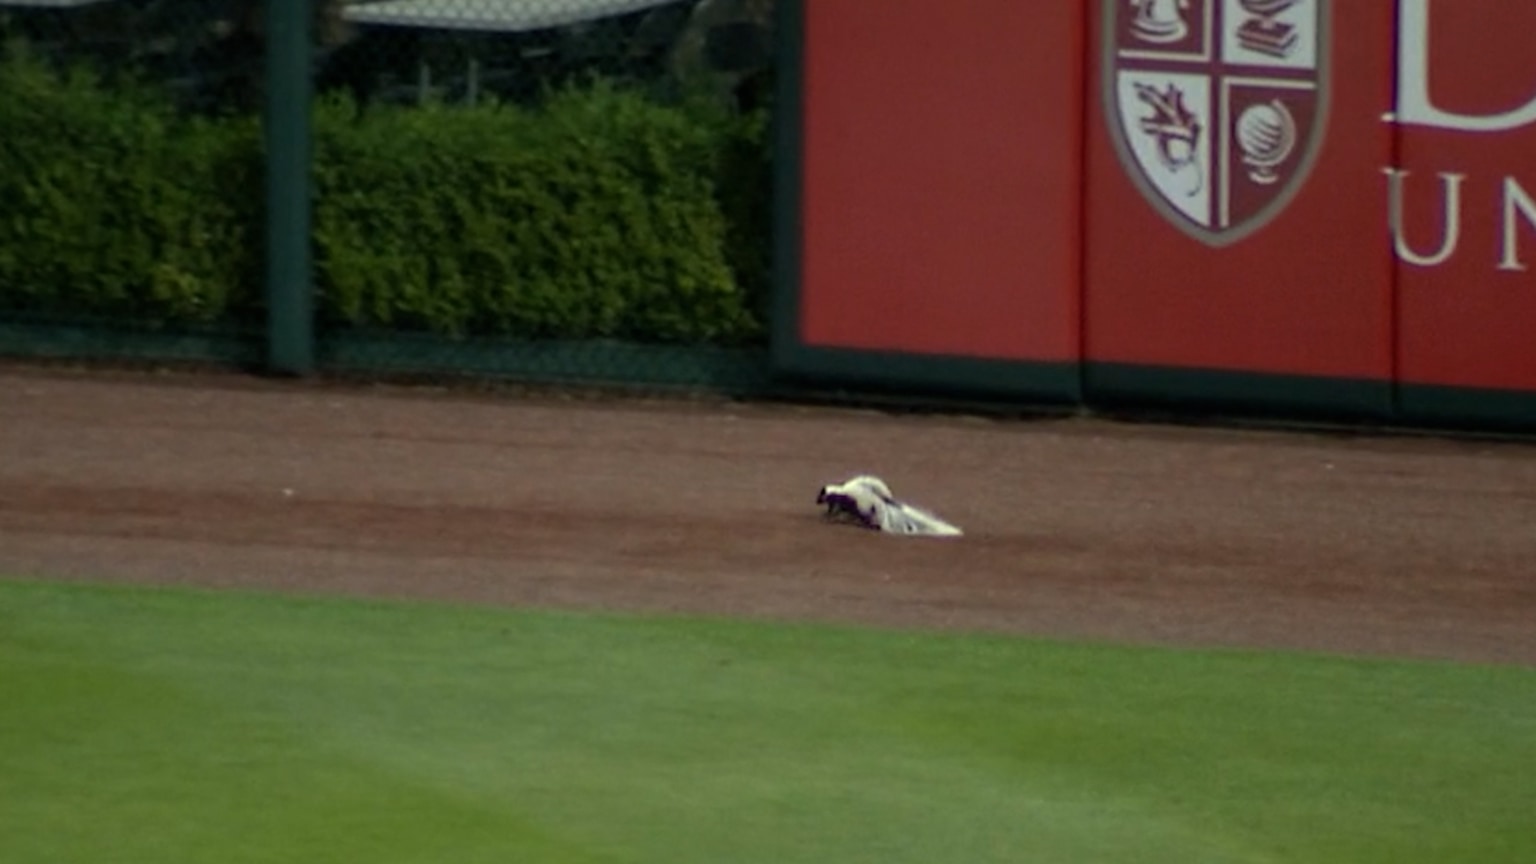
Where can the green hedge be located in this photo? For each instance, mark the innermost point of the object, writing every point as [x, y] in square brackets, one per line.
[602, 213]
[111, 206]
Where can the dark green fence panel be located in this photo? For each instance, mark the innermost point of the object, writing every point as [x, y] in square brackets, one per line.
[589, 363]
[130, 171]
[557, 189]
[547, 189]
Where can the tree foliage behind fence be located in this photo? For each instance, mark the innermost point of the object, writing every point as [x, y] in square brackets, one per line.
[512, 186]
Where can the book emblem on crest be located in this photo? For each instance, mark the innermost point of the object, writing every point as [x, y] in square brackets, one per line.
[1265, 31]
[1216, 107]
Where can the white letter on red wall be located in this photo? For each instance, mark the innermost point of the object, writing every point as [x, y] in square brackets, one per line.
[1516, 200]
[1449, 240]
[1414, 105]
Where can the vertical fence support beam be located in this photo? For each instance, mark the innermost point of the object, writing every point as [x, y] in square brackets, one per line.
[788, 125]
[286, 125]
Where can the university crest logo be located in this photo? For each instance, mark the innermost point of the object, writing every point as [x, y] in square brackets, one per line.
[1217, 107]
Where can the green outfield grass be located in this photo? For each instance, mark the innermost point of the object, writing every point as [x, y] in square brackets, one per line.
[157, 726]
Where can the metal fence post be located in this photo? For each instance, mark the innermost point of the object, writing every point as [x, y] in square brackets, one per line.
[286, 120]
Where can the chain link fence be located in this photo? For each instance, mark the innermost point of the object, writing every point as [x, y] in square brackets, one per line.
[130, 179]
[560, 190]
[551, 189]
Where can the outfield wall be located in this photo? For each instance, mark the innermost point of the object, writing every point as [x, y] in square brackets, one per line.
[1328, 212]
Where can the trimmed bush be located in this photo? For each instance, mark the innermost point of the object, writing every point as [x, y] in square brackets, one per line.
[599, 214]
[112, 206]
[594, 216]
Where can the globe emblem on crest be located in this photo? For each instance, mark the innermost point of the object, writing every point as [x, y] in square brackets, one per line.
[1266, 133]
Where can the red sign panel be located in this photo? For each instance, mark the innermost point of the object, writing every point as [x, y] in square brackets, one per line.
[1235, 211]
[940, 177]
[1464, 193]
[1342, 189]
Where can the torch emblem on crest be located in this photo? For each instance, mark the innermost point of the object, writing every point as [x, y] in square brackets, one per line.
[1161, 21]
[1216, 107]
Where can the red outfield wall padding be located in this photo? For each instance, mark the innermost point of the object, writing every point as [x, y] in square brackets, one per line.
[1467, 275]
[1236, 212]
[1338, 189]
[940, 183]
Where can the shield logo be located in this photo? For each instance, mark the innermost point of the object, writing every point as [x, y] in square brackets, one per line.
[1216, 107]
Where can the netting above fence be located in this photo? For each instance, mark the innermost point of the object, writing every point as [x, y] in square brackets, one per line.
[404, 50]
[466, 51]
[207, 53]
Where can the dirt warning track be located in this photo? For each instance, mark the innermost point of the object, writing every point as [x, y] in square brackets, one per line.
[1074, 528]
